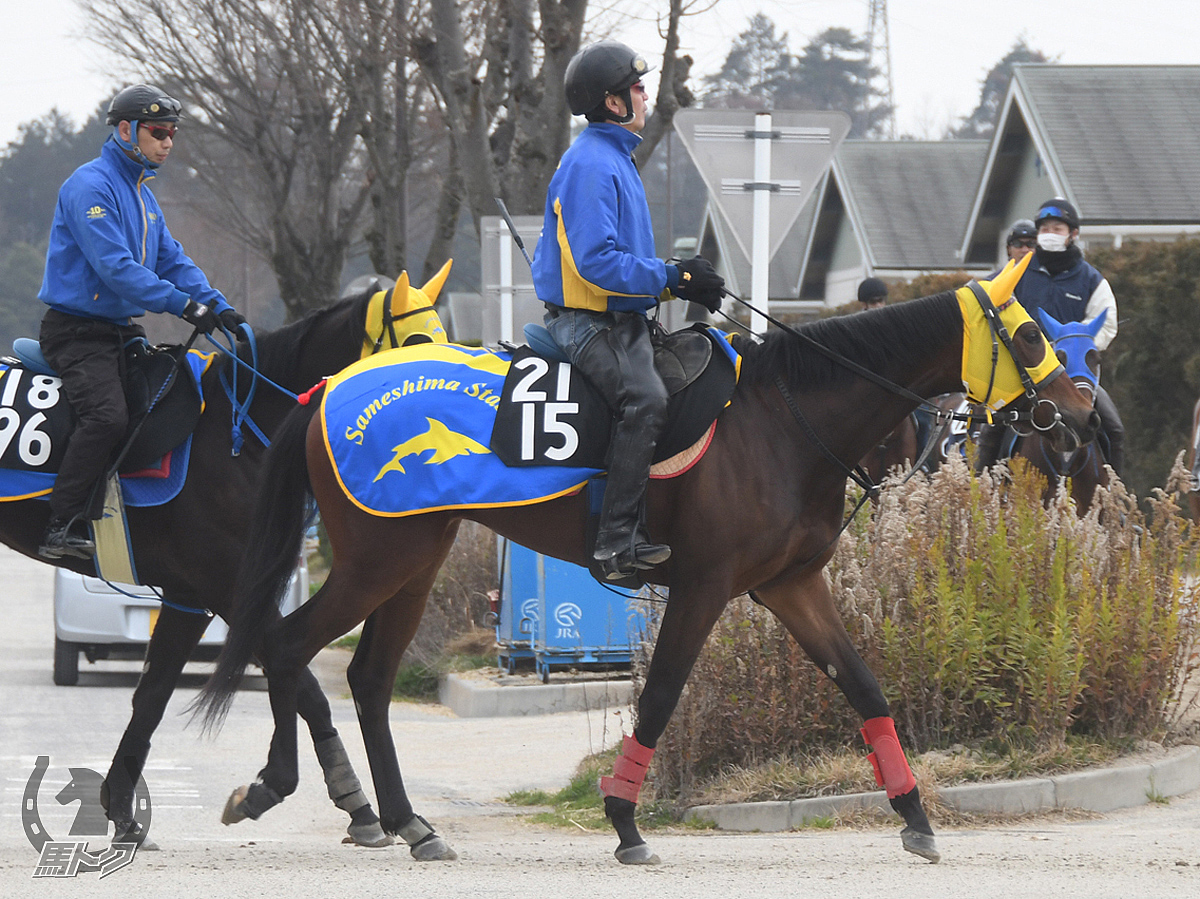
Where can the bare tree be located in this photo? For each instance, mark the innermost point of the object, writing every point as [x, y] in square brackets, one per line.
[497, 68]
[276, 97]
[308, 118]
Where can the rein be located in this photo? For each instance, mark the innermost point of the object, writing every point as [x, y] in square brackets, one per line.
[858, 474]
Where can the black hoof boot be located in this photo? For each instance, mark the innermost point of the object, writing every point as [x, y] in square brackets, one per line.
[632, 849]
[917, 836]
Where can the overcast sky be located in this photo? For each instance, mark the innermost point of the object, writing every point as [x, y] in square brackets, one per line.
[940, 49]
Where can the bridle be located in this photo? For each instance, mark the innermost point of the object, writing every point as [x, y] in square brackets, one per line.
[1013, 417]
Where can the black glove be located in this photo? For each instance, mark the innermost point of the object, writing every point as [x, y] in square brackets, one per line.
[700, 283]
[231, 319]
[199, 316]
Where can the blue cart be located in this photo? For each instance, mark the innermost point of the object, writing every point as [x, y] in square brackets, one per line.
[558, 615]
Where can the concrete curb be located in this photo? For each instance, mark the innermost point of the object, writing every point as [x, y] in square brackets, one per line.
[1099, 791]
[487, 698]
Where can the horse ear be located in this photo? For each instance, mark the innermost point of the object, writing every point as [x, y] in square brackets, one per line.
[433, 286]
[1001, 287]
[1093, 327]
[402, 291]
[1051, 325]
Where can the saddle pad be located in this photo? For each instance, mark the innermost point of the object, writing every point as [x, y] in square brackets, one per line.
[408, 431]
[35, 420]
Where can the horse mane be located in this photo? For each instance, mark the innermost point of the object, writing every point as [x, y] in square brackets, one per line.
[895, 336]
[281, 352]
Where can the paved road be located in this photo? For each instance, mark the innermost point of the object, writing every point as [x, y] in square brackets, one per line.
[456, 770]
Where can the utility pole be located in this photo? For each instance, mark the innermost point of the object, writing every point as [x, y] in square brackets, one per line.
[879, 53]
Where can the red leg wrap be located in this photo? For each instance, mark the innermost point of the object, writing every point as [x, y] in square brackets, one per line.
[629, 771]
[891, 767]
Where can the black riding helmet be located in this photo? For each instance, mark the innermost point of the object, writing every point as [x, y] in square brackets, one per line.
[872, 290]
[1057, 208]
[1022, 229]
[143, 103]
[600, 69]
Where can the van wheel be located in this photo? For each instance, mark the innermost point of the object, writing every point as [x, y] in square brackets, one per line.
[66, 663]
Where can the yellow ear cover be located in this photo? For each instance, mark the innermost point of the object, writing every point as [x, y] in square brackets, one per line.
[1005, 385]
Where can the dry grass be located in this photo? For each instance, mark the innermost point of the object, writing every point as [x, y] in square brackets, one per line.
[1033, 636]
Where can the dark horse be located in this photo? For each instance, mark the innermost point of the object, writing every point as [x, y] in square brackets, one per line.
[760, 512]
[1083, 468]
[190, 546]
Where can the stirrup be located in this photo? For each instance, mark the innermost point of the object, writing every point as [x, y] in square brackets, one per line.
[627, 563]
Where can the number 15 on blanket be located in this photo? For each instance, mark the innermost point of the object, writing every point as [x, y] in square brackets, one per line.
[536, 369]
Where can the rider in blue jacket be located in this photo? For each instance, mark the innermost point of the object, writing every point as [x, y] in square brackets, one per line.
[596, 270]
[1070, 289]
[111, 259]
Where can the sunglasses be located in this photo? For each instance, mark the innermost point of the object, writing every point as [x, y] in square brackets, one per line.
[1026, 242]
[161, 132]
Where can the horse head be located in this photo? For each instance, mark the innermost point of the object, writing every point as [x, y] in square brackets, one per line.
[404, 315]
[1027, 376]
[1075, 345]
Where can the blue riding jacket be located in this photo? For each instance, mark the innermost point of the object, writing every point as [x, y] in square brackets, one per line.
[1078, 294]
[110, 255]
[596, 250]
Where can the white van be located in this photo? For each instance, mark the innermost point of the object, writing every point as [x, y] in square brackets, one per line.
[96, 619]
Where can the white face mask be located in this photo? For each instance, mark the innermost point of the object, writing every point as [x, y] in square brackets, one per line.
[1051, 242]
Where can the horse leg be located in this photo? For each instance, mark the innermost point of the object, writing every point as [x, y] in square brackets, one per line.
[175, 636]
[287, 646]
[340, 780]
[372, 675]
[805, 606]
[690, 616]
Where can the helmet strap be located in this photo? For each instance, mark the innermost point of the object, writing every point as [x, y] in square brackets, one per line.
[629, 114]
[131, 146]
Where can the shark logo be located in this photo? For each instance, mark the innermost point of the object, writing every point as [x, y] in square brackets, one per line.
[444, 443]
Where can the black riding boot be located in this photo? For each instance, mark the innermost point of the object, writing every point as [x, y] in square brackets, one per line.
[1114, 430]
[67, 537]
[620, 364]
[622, 544]
[987, 446]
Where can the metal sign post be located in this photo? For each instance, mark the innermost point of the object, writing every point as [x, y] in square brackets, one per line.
[760, 168]
[760, 262]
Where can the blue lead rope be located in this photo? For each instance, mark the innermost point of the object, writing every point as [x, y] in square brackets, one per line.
[241, 410]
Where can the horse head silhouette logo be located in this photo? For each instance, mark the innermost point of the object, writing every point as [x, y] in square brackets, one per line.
[84, 788]
[87, 788]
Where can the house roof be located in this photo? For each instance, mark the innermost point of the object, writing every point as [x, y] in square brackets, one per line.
[1123, 140]
[909, 200]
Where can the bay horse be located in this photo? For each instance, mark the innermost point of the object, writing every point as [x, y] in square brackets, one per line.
[190, 547]
[759, 512]
[1083, 468]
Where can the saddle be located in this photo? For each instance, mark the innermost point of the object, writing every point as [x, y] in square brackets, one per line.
[699, 383]
[163, 408]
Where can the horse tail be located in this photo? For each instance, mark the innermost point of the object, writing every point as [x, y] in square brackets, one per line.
[281, 513]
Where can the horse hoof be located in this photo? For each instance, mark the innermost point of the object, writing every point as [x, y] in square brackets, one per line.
[433, 849]
[922, 844]
[233, 807]
[369, 835]
[641, 854]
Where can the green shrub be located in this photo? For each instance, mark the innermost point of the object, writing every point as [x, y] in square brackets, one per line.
[986, 618]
